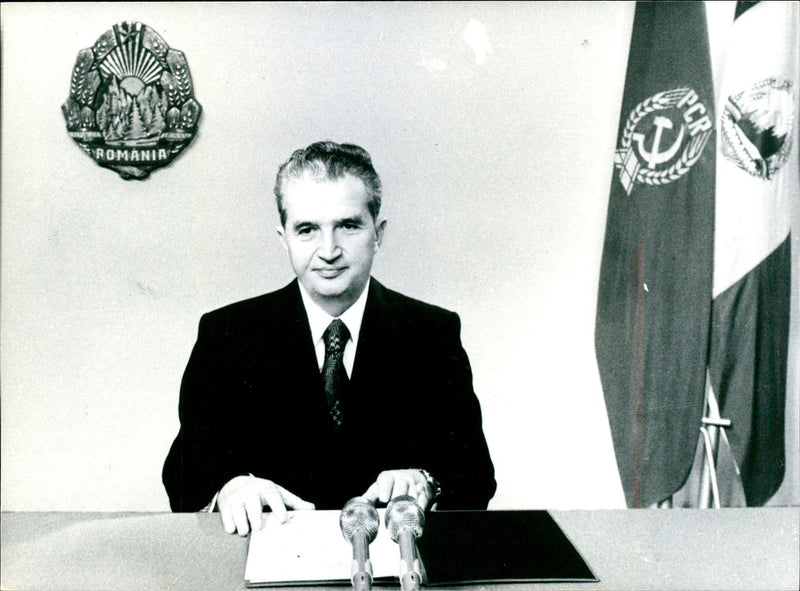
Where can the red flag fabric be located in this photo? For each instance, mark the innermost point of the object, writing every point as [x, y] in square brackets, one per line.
[654, 298]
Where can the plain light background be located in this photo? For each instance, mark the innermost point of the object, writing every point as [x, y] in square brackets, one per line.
[496, 156]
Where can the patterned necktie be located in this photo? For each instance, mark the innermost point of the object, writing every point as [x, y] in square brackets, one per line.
[333, 372]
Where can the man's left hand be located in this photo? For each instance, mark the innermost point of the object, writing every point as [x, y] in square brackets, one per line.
[393, 483]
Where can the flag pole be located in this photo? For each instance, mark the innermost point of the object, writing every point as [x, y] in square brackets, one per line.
[710, 430]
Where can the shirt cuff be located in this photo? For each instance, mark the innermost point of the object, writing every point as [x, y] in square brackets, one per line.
[212, 506]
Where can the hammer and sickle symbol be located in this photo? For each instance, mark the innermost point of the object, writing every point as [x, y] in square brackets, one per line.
[655, 156]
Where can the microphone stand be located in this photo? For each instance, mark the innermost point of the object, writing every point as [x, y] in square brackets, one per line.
[410, 578]
[362, 577]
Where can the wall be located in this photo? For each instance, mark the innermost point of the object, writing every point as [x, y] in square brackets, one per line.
[496, 171]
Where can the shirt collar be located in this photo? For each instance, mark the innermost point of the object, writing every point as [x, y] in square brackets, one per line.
[319, 319]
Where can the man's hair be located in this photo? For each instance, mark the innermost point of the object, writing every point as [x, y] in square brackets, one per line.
[329, 160]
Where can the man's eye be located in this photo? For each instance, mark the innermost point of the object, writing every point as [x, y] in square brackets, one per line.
[350, 226]
[304, 231]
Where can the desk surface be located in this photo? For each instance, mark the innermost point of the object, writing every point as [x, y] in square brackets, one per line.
[633, 549]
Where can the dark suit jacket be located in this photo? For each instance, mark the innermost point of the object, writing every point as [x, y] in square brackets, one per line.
[252, 401]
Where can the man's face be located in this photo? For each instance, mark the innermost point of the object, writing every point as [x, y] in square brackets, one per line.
[331, 238]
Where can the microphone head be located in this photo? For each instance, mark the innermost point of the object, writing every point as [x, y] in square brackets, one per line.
[357, 515]
[403, 513]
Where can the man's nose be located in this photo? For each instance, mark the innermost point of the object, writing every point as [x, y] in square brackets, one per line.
[329, 245]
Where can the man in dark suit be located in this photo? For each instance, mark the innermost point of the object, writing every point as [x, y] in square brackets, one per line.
[333, 386]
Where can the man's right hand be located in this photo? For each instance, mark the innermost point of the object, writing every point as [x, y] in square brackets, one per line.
[241, 500]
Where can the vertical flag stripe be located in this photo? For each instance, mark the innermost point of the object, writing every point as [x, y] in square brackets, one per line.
[747, 365]
[654, 298]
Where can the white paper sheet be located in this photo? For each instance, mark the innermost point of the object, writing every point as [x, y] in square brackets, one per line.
[309, 547]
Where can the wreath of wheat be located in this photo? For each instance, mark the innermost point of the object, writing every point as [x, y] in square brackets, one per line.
[690, 155]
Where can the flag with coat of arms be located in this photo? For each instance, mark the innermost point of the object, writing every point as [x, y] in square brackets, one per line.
[757, 181]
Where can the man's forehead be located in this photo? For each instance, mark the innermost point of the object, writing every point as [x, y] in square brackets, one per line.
[310, 195]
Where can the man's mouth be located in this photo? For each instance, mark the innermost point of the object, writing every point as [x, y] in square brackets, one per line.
[330, 273]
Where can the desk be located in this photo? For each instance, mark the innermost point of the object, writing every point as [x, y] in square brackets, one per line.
[627, 549]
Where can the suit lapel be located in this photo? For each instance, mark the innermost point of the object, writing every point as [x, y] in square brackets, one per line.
[376, 337]
[299, 345]
[288, 343]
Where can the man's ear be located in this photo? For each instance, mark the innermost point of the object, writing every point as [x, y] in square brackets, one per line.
[380, 227]
[282, 234]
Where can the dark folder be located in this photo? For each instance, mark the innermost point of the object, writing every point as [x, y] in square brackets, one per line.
[498, 546]
[456, 547]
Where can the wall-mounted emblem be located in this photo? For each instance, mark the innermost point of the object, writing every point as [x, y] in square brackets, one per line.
[664, 136]
[131, 105]
[757, 127]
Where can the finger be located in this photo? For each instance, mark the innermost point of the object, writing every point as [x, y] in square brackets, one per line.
[252, 505]
[402, 486]
[385, 484]
[292, 501]
[422, 490]
[227, 520]
[240, 518]
[372, 493]
[272, 497]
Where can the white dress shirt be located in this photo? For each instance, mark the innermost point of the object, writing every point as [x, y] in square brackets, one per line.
[319, 319]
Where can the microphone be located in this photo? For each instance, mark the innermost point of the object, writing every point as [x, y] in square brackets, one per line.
[359, 523]
[405, 520]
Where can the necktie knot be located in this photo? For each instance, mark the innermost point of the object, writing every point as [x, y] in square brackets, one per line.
[335, 337]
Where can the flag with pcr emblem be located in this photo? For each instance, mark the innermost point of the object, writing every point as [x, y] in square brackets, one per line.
[654, 298]
[756, 183]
